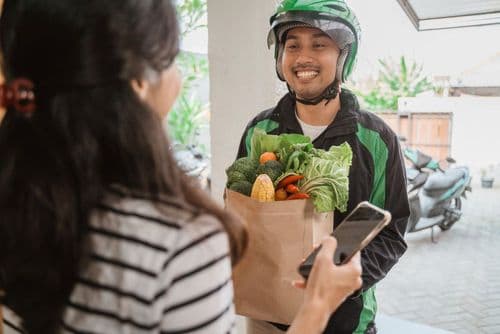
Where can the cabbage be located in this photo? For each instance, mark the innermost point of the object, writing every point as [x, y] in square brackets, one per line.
[326, 178]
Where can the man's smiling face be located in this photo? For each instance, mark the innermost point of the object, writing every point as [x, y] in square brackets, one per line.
[309, 61]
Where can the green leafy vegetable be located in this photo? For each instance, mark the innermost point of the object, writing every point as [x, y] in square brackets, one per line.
[296, 156]
[342, 154]
[326, 173]
[234, 175]
[245, 166]
[262, 142]
[326, 178]
[282, 144]
[242, 187]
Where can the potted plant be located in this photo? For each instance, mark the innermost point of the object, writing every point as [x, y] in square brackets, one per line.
[487, 178]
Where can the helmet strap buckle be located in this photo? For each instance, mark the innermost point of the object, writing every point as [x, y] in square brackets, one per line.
[330, 93]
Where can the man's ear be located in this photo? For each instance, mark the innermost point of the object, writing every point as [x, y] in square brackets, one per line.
[141, 87]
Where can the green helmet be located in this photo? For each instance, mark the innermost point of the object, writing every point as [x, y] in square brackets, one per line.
[333, 17]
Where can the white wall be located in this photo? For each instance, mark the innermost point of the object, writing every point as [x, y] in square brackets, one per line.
[242, 76]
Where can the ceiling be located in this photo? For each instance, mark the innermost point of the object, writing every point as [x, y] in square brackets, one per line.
[448, 14]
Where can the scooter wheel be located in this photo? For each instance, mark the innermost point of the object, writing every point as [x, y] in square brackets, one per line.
[450, 221]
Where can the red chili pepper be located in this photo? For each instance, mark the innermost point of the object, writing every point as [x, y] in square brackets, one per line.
[298, 196]
[289, 180]
[292, 189]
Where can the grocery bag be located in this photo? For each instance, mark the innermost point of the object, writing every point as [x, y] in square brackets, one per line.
[281, 235]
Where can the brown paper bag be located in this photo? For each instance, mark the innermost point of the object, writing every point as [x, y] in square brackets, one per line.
[281, 234]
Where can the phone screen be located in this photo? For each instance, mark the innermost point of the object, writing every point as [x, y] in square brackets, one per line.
[353, 230]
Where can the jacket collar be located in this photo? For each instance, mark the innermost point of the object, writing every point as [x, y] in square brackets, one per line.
[345, 122]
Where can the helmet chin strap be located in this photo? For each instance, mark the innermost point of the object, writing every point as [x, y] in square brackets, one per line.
[330, 93]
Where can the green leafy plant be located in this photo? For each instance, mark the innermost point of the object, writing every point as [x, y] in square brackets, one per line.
[395, 80]
[193, 68]
[187, 117]
[191, 13]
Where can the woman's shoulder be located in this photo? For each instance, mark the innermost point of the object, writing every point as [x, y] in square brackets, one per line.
[167, 212]
[164, 221]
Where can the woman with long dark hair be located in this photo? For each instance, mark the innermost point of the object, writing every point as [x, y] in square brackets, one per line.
[100, 232]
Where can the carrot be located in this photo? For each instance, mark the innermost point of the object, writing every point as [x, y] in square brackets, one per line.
[298, 196]
[292, 188]
[289, 180]
[267, 156]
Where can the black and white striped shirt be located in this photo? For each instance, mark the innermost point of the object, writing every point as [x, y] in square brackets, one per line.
[152, 269]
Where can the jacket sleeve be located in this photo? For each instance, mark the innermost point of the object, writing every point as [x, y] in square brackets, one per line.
[384, 251]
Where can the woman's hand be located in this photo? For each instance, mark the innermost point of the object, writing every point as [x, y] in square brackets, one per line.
[327, 287]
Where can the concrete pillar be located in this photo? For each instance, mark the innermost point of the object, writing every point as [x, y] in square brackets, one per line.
[242, 76]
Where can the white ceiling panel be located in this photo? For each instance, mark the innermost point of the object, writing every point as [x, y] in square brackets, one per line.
[445, 14]
[431, 9]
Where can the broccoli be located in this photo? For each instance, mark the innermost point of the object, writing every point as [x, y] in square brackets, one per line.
[234, 175]
[272, 168]
[245, 166]
[243, 187]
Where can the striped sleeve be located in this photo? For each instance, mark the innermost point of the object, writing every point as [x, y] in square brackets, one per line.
[198, 293]
[11, 324]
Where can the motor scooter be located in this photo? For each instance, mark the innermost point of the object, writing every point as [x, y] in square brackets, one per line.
[435, 194]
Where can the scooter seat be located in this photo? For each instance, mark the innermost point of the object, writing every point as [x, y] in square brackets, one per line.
[411, 173]
[441, 181]
[420, 179]
[422, 160]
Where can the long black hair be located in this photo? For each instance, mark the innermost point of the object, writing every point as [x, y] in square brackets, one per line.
[89, 131]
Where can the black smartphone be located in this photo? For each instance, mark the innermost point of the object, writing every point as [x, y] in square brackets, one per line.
[353, 234]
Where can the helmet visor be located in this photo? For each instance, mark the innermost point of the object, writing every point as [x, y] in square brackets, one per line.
[335, 28]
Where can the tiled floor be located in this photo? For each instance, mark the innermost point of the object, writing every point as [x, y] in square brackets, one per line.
[455, 283]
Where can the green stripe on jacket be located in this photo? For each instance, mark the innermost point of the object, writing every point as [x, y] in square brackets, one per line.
[380, 153]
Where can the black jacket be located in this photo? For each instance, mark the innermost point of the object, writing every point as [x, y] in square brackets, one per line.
[377, 174]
